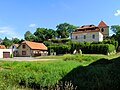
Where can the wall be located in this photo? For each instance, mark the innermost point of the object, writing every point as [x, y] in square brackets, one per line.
[106, 31]
[89, 38]
[5, 50]
[27, 49]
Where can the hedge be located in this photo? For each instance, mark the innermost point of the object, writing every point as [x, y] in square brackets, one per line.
[98, 49]
[87, 48]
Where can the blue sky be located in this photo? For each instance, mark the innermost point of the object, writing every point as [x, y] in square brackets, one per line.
[19, 16]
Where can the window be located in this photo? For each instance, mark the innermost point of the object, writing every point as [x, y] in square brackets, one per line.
[93, 36]
[23, 52]
[76, 37]
[102, 30]
[23, 46]
[84, 36]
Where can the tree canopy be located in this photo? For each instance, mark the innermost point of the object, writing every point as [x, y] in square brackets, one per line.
[64, 30]
[29, 36]
[116, 30]
[43, 34]
[7, 42]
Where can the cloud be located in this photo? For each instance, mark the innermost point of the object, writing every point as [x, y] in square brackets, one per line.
[117, 13]
[32, 25]
[8, 32]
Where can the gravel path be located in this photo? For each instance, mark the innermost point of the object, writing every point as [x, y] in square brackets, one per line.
[25, 59]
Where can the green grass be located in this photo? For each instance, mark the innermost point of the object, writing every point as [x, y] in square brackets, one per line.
[36, 74]
[33, 74]
[50, 57]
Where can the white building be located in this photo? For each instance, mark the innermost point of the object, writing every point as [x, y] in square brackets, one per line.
[5, 53]
[91, 33]
[14, 49]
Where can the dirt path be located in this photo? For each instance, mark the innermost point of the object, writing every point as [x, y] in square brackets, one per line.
[25, 59]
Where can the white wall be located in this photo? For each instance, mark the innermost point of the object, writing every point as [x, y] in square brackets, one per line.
[5, 50]
[89, 38]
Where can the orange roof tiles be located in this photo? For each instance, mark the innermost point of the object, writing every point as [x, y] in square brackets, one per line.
[2, 47]
[102, 24]
[87, 31]
[35, 45]
[87, 26]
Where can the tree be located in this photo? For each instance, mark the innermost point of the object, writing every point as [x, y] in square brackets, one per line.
[7, 42]
[116, 30]
[29, 36]
[64, 30]
[43, 34]
[16, 40]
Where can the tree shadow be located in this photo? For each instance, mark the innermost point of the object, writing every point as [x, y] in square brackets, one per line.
[103, 74]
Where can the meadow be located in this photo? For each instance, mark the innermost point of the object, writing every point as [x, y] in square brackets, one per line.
[84, 71]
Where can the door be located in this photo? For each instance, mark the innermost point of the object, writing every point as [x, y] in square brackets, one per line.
[6, 54]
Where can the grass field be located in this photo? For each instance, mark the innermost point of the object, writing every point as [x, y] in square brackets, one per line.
[16, 75]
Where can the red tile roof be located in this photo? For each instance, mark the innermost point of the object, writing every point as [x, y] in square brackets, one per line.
[102, 24]
[86, 26]
[87, 31]
[35, 45]
[2, 47]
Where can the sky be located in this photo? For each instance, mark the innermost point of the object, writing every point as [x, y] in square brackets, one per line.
[19, 16]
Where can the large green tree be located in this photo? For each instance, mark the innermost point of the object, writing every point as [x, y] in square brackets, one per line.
[64, 30]
[43, 34]
[29, 36]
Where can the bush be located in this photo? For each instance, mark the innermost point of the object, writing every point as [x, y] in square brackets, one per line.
[80, 58]
[98, 49]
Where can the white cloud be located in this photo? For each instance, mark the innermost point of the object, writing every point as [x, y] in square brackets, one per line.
[32, 25]
[8, 32]
[117, 13]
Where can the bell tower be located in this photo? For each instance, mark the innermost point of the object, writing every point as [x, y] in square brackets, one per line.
[104, 29]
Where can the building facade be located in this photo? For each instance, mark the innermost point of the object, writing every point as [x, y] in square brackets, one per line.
[27, 49]
[91, 33]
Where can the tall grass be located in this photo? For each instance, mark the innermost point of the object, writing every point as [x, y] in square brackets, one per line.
[34, 74]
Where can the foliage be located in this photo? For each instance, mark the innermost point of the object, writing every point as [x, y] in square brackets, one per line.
[98, 49]
[64, 30]
[63, 40]
[60, 48]
[11, 56]
[16, 40]
[80, 58]
[102, 74]
[34, 74]
[43, 34]
[7, 42]
[116, 30]
[29, 36]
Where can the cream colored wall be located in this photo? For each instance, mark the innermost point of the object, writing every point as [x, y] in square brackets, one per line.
[5, 50]
[98, 37]
[27, 49]
[106, 31]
